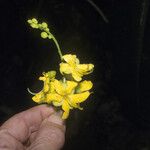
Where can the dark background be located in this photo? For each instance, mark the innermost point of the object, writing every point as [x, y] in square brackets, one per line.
[116, 40]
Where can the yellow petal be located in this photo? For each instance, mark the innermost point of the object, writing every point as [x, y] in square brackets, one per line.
[78, 98]
[77, 61]
[74, 104]
[65, 68]
[65, 115]
[39, 97]
[64, 88]
[71, 85]
[57, 103]
[70, 59]
[51, 87]
[59, 87]
[66, 108]
[42, 78]
[46, 88]
[76, 76]
[84, 86]
[85, 68]
[53, 97]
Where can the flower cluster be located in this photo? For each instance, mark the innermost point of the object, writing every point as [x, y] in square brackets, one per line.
[70, 91]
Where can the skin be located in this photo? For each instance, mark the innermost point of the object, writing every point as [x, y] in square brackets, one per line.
[34, 129]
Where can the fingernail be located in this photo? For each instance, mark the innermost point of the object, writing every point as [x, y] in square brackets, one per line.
[56, 118]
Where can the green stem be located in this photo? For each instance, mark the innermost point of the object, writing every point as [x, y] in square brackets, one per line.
[57, 45]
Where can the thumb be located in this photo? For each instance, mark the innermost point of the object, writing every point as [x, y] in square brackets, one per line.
[51, 135]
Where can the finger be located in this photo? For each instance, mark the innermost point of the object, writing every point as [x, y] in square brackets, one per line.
[23, 124]
[51, 134]
[8, 142]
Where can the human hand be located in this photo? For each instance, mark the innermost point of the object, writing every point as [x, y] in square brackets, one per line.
[38, 128]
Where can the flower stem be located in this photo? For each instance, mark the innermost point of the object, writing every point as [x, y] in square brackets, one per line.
[51, 36]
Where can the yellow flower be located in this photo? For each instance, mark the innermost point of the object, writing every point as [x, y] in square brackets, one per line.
[48, 79]
[66, 97]
[65, 94]
[72, 66]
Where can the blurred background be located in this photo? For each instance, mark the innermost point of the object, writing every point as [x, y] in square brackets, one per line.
[114, 35]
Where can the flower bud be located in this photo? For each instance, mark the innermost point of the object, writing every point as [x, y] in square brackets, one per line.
[29, 21]
[47, 29]
[34, 21]
[33, 25]
[44, 35]
[44, 25]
